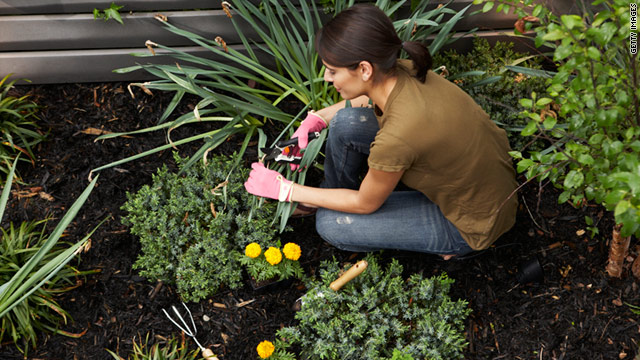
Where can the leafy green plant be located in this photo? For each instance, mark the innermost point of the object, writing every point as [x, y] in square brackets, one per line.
[595, 133]
[194, 225]
[491, 75]
[376, 313]
[18, 129]
[273, 262]
[595, 155]
[172, 348]
[112, 12]
[33, 269]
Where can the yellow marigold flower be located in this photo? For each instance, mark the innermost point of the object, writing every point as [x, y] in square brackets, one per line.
[265, 348]
[273, 255]
[291, 251]
[253, 250]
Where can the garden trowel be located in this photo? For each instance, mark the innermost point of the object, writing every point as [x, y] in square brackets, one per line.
[347, 276]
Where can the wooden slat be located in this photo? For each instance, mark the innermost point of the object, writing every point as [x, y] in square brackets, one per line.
[70, 66]
[21, 7]
[82, 31]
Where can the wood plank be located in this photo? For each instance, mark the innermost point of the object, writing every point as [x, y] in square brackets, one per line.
[20, 7]
[82, 31]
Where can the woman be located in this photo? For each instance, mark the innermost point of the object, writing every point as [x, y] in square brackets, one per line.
[422, 131]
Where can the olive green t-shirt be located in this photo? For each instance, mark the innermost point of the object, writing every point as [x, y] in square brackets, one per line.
[450, 151]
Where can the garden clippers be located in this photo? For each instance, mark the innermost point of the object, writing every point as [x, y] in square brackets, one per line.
[347, 276]
[282, 151]
[190, 331]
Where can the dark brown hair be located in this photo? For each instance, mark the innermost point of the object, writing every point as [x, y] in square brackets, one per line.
[363, 32]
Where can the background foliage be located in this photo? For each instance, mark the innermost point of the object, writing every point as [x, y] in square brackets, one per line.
[490, 74]
[595, 132]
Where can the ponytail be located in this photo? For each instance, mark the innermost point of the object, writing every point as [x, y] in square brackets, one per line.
[420, 56]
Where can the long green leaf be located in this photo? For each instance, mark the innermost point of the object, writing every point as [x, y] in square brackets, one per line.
[23, 276]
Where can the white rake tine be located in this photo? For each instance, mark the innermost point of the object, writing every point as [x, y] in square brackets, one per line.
[195, 329]
[189, 332]
[174, 323]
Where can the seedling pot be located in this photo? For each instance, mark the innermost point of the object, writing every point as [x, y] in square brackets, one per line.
[530, 272]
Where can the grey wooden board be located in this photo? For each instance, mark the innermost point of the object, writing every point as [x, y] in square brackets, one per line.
[17, 7]
[82, 31]
[70, 66]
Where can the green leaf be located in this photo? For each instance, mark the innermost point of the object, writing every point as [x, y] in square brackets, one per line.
[574, 179]
[526, 103]
[529, 129]
[543, 101]
[571, 21]
[549, 122]
[585, 159]
[524, 164]
[554, 35]
[487, 6]
[622, 207]
[593, 53]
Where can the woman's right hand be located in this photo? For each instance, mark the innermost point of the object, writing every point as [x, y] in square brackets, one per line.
[312, 123]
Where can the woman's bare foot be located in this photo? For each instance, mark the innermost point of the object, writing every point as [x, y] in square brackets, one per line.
[447, 257]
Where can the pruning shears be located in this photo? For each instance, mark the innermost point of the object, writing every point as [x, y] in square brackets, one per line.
[282, 151]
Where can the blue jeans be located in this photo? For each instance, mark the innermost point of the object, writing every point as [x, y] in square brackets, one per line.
[407, 220]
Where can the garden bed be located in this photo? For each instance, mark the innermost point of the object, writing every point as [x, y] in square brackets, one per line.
[578, 312]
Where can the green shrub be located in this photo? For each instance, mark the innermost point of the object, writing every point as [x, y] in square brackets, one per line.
[18, 130]
[501, 94]
[378, 315]
[595, 136]
[194, 225]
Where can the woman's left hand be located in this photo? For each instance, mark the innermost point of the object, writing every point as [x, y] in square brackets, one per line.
[268, 183]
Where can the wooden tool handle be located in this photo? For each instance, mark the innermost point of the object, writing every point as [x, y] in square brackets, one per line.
[207, 354]
[348, 275]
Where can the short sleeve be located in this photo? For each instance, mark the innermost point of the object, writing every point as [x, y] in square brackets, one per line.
[389, 153]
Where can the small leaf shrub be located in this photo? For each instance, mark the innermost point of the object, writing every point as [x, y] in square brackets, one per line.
[590, 112]
[194, 226]
[378, 315]
[484, 75]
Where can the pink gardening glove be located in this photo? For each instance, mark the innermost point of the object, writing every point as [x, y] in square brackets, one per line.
[312, 123]
[268, 183]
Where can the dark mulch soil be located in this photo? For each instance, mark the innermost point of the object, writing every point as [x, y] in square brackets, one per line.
[578, 312]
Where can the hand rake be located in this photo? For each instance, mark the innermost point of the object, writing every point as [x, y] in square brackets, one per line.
[190, 331]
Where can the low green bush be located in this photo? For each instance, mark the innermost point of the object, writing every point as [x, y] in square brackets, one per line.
[194, 225]
[378, 315]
